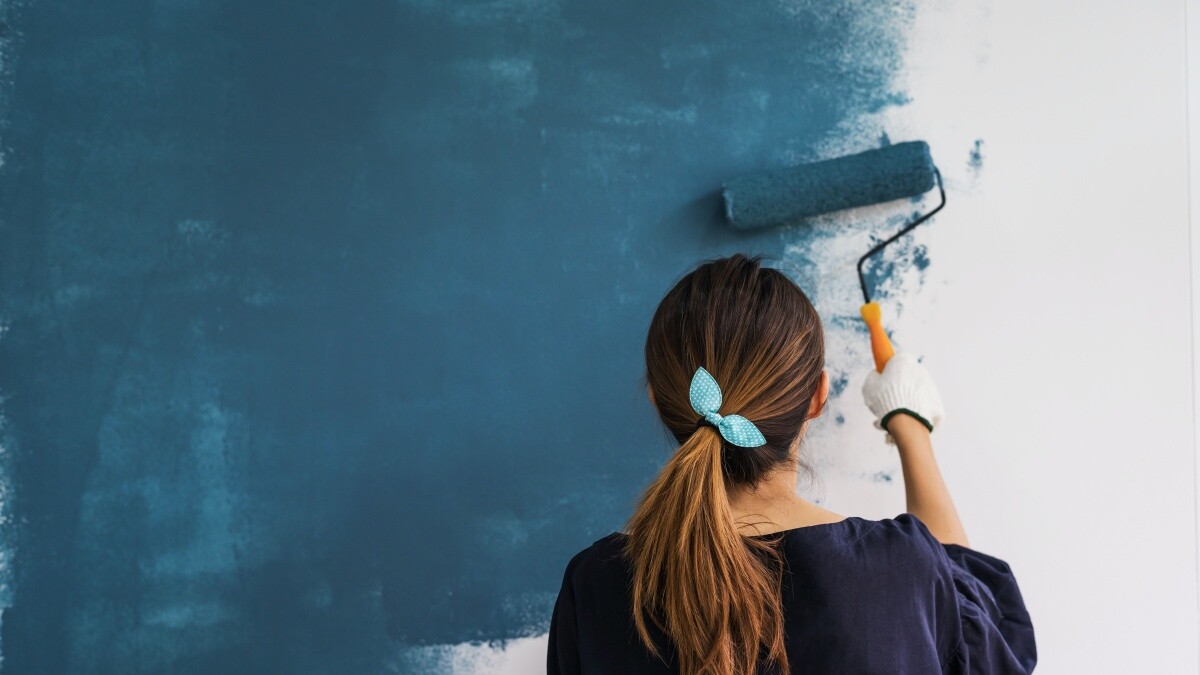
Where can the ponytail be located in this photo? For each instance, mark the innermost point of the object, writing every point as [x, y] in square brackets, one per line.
[712, 590]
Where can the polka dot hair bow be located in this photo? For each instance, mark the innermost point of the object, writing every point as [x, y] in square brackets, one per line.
[705, 396]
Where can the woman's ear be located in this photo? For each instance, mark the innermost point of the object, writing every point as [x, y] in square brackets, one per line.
[650, 390]
[820, 397]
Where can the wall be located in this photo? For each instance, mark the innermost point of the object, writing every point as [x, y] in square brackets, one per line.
[323, 322]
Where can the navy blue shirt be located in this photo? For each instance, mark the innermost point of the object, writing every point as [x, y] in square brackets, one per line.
[860, 596]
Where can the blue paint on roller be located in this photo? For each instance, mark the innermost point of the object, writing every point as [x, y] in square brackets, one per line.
[779, 197]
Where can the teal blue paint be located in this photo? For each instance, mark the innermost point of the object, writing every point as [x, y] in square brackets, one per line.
[895, 259]
[286, 284]
[920, 257]
[838, 384]
[975, 159]
[792, 194]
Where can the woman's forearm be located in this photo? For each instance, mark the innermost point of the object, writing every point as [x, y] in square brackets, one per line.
[925, 491]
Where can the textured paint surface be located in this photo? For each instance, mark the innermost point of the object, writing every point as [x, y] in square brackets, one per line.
[324, 320]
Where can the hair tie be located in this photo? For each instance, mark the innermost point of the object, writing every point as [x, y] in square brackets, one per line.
[706, 399]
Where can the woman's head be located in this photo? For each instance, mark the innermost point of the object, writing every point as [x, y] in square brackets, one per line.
[759, 336]
[711, 588]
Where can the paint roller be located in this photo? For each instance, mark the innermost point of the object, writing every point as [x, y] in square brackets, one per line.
[898, 171]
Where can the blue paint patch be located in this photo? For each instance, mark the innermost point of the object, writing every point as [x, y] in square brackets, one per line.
[838, 385]
[288, 283]
[881, 270]
[975, 159]
[848, 322]
[920, 257]
[840, 419]
[882, 477]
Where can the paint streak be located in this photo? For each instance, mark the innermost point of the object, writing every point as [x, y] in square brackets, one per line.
[838, 384]
[320, 314]
[975, 158]
[885, 270]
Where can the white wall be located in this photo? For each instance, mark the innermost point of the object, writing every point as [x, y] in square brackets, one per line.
[1056, 316]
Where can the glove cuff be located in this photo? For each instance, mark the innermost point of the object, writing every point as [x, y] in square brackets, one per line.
[884, 420]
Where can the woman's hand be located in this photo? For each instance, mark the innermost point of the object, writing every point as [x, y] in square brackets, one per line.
[905, 387]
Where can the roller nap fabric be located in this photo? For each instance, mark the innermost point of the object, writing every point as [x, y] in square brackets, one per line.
[786, 195]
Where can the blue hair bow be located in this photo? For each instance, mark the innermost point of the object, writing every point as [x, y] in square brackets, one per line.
[706, 399]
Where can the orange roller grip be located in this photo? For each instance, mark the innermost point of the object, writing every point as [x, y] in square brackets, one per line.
[881, 346]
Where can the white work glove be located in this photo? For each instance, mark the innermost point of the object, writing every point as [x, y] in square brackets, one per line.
[904, 386]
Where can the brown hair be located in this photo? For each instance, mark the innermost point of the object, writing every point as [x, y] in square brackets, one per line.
[714, 590]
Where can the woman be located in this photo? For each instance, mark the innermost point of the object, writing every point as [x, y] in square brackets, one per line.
[725, 570]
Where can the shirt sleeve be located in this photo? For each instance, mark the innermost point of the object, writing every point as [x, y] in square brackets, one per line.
[996, 632]
[562, 657]
[983, 620]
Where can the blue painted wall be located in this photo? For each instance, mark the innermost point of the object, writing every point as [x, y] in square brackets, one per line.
[324, 320]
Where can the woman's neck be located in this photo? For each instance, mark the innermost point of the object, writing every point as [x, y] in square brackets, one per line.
[773, 504]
